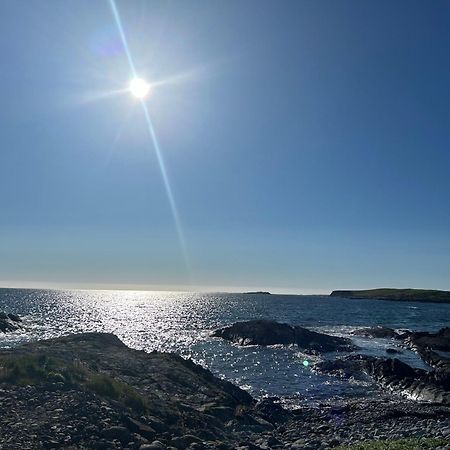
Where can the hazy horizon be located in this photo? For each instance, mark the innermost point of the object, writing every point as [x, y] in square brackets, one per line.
[298, 147]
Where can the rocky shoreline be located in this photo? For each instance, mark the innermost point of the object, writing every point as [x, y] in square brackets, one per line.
[90, 391]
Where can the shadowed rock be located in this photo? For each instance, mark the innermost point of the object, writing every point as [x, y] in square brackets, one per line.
[435, 341]
[108, 392]
[269, 332]
[350, 366]
[9, 322]
[393, 351]
[416, 383]
[376, 332]
[397, 376]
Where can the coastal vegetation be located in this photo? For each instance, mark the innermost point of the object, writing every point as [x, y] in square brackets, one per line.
[41, 369]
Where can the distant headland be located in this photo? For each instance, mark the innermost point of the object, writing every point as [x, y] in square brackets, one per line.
[406, 295]
[257, 293]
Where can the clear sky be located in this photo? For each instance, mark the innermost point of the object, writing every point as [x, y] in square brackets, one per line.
[306, 143]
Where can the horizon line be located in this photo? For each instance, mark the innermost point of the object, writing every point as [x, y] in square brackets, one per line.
[162, 288]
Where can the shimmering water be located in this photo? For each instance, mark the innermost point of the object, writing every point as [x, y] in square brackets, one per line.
[182, 323]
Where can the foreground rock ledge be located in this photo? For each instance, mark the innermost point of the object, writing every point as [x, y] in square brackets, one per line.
[90, 391]
[269, 332]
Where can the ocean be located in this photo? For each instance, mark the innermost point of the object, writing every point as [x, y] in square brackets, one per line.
[182, 323]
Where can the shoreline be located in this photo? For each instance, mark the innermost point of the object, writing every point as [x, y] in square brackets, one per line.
[91, 391]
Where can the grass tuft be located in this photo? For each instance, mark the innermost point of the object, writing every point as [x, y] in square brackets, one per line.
[38, 369]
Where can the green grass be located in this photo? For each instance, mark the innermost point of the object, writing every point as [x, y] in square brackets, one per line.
[39, 369]
[34, 369]
[402, 444]
[106, 386]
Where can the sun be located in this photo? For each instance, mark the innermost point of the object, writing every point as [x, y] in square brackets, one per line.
[139, 88]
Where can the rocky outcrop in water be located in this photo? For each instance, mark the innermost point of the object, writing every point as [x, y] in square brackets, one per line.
[376, 332]
[397, 376]
[434, 341]
[269, 332]
[347, 367]
[415, 383]
[9, 322]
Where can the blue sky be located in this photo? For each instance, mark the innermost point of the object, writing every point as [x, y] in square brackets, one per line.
[306, 144]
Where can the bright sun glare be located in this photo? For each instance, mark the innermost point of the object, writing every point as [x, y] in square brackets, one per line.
[139, 88]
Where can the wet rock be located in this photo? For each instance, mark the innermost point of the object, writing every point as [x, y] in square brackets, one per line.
[320, 342]
[376, 332]
[351, 366]
[416, 383]
[269, 332]
[257, 332]
[393, 351]
[9, 322]
[434, 341]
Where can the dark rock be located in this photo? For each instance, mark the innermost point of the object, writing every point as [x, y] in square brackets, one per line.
[152, 446]
[434, 341]
[223, 413]
[117, 432]
[140, 428]
[311, 340]
[384, 368]
[432, 348]
[185, 441]
[393, 351]
[351, 366]
[416, 383]
[269, 332]
[257, 332]
[376, 332]
[9, 322]
[272, 411]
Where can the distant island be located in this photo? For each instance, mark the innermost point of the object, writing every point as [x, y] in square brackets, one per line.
[407, 295]
[257, 292]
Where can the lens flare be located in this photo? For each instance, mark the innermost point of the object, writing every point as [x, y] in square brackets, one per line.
[139, 88]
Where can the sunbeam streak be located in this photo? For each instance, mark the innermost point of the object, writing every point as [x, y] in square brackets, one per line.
[151, 130]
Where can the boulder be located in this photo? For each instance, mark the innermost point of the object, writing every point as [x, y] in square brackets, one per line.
[257, 332]
[269, 332]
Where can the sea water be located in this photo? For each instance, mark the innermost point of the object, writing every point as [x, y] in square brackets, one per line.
[183, 322]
